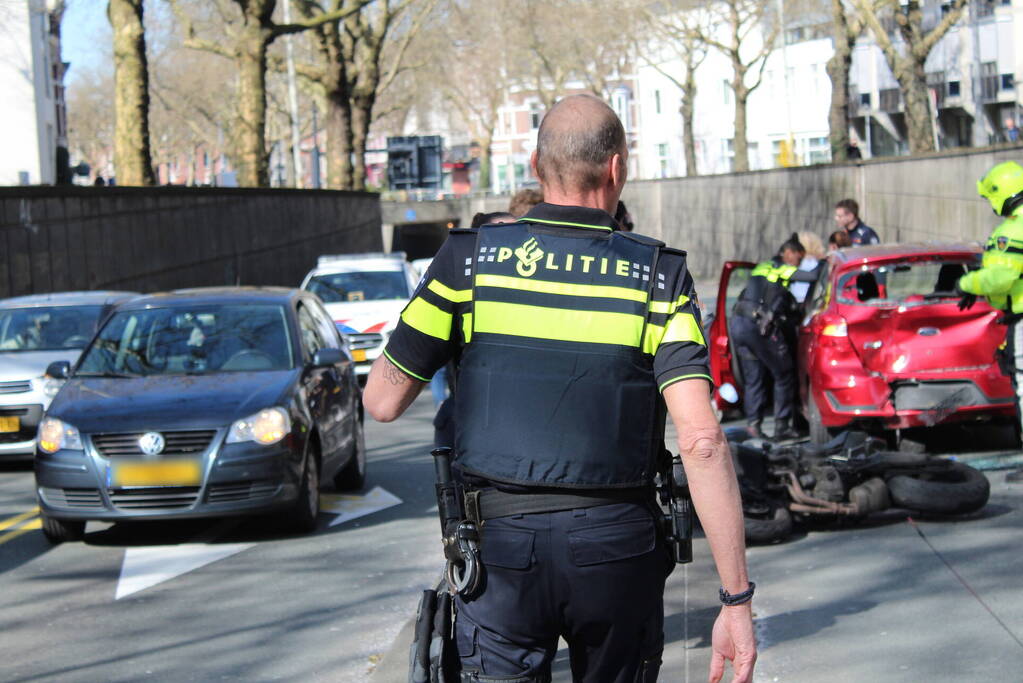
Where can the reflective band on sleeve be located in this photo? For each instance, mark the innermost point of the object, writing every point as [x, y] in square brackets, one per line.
[683, 328]
[403, 368]
[594, 327]
[428, 319]
[546, 287]
[458, 296]
[679, 379]
[668, 307]
[574, 225]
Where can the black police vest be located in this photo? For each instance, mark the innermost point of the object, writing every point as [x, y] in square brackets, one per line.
[554, 388]
[769, 292]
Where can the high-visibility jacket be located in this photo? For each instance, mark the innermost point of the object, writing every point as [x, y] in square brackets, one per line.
[999, 277]
[767, 290]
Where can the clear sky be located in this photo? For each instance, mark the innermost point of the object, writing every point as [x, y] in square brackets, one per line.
[85, 37]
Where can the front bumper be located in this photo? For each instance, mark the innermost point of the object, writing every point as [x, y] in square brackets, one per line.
[22, 443]
[236, 479]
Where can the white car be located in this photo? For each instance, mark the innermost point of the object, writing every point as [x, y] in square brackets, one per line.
[35, 331]
[364, 294]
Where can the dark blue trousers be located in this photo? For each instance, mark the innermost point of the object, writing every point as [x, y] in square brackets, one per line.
[759, 356]
[593, 576]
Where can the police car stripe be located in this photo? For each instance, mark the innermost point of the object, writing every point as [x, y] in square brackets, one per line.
[536, 322]
[574, 225]
[547, 287]
[458, 296]
[403, 368]
[428, 319]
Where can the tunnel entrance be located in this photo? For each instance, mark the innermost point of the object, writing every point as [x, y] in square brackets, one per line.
[421, 240]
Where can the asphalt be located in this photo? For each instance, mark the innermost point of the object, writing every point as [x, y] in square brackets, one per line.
[887, 600]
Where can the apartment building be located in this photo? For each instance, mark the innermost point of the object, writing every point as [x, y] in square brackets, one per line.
[33, 120]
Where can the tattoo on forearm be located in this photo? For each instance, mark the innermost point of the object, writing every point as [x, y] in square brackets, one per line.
[393, 375]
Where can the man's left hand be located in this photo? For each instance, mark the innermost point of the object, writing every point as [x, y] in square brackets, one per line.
[732, 639]
[967, 301]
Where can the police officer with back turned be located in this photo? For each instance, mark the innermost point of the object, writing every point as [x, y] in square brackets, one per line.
[573, 341]
[1000, 277]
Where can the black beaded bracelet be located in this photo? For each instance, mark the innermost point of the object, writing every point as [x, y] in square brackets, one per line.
[737, 599]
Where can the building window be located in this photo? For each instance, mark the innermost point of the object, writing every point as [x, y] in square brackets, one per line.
[657, 101]
[818, 150]
[662, 160]
[1008, 82]
[726, 89]
[953, 89]
[865, 99]
[620, 103]
[535, 116]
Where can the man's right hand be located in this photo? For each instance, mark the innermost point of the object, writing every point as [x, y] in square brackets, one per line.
[733, 639]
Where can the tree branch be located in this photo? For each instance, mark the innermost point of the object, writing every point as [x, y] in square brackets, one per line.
[325, 18]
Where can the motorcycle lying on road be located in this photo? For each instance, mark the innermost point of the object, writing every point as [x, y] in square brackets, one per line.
[848, 478]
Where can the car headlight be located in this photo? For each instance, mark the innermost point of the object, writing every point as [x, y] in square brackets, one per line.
[55, 435]
[266, 427]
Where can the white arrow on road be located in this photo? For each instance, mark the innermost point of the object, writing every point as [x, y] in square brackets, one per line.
[350, 507]
[148, 566]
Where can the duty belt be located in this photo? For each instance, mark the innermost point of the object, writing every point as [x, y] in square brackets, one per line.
[487, 504]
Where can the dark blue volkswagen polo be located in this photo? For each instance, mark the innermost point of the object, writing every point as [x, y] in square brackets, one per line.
[202, 403]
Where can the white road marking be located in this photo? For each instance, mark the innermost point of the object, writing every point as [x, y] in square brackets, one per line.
[147, 566]
[349, 507]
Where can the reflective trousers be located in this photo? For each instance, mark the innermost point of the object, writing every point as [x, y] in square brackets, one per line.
[1012, 364]
[593, 576]
[760, 355]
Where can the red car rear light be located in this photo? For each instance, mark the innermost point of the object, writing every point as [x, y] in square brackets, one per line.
[832, 330]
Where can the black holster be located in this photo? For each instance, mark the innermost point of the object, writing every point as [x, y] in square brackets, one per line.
[673, 490]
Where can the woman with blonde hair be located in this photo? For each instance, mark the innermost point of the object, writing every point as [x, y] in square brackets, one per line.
[814, 252]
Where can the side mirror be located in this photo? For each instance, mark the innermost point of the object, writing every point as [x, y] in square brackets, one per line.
[60, 369]
[327, 357]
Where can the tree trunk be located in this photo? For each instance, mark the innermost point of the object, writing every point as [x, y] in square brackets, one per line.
[253, 165]
[687, 110]
[740, 145]
[338, 126]
[486, 161]
[133, 162]
[919, 125]
[362, 117]
[838, 71]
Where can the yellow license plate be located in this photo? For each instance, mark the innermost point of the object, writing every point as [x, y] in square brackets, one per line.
[10, 424]
[359, 355]
[165, 473]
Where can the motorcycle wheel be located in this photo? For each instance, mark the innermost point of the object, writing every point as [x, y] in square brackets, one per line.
[955, 490]
[766, 522]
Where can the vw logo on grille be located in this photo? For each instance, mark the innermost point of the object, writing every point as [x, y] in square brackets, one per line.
[152, 443]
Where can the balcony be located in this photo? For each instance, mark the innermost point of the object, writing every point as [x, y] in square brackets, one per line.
[890, 100]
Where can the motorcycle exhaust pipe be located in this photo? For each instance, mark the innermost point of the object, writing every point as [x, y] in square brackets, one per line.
[870, 496]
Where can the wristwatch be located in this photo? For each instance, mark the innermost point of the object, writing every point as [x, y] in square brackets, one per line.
[737, 599]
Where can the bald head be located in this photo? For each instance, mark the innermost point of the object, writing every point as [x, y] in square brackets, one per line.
[577, 139]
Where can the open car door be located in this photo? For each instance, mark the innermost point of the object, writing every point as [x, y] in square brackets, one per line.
[724, 365]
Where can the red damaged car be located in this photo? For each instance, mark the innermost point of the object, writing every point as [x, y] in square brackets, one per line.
[883, 344]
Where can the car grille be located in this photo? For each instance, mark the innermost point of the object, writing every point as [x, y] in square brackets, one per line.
[229, 493]
[73, 498]
[154, 498]
[19, 387]
[177, 443]
[365, 340]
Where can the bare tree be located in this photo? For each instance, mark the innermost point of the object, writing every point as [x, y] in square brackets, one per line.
[250, 32]
[90, 124]
[907, 60]
[846, 28]
[132, 160]
[681, 37]
[750, 31]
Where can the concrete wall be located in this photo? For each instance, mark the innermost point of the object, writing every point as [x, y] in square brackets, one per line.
[150, 239]
[748, 215]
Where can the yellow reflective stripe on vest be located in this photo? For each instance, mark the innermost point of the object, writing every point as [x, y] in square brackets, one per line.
[565, 288]
[428, 319]
[593, 327]
[458, 296]
[467, 327]
[681, 328]
[773, 273]
[668, 307]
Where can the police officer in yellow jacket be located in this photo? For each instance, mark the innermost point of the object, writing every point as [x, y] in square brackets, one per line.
[573, 339]
[1000, 277]
[762, 329]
